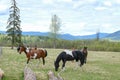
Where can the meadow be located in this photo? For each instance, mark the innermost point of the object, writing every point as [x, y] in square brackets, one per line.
[100, 66]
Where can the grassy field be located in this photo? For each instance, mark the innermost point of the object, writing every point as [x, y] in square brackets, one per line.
[100, 66]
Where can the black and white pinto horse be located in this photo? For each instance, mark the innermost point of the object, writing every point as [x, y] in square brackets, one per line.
[67, 55]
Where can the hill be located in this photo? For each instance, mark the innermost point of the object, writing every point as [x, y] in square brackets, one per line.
[63, 36]
[114, 36]
[93, 36]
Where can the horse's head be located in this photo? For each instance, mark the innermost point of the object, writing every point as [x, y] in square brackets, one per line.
[85, 52]
[20, 49]
[56, 66]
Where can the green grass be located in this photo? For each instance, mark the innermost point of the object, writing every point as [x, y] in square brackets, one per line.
[100, 66]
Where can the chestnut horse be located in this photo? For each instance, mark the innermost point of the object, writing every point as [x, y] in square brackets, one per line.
[33, 53]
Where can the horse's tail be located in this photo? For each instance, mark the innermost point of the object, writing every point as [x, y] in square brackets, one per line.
[46, 53]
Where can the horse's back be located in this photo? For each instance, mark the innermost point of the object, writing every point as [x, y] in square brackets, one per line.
[42, 52]
[78, 54]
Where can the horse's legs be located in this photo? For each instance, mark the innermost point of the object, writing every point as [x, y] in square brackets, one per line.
[63, 66]
[28, 60]
[85, 60]
[43, 61]
[81, 62]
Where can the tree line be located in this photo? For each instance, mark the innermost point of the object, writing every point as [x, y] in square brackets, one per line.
[47, 42]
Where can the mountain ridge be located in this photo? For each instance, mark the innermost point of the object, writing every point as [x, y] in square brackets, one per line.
[63, 36]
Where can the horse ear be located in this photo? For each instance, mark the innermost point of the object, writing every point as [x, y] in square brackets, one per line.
[85, 47]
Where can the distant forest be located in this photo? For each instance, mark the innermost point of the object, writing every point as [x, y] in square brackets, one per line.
[46, 42]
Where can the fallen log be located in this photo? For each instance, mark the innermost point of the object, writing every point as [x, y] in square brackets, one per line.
[29, 74]
[1, 74]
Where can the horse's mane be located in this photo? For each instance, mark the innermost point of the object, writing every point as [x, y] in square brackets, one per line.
[59, 57]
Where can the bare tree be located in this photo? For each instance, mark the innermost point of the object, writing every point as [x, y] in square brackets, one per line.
[98, 35]
[54, 28]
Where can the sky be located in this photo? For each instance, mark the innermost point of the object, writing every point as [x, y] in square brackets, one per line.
[78, 17]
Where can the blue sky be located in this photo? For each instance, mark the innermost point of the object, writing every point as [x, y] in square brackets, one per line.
[78, 17]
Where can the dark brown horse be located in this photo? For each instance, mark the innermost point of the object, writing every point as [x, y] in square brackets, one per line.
[85, 52]
[33, 53]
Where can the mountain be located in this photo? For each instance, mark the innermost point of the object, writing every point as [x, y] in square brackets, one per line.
[35, 33]
[93, 36]
[114, 36]
[63, 36]
[66, 36]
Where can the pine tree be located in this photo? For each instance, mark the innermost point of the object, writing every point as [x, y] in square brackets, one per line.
[13, 28]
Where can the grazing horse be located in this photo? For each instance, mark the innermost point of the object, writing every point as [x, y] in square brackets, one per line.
[33, 53]
[67, 55]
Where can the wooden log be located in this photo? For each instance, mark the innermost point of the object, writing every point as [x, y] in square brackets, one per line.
[51, 76]
[1, 74]
[29, 74]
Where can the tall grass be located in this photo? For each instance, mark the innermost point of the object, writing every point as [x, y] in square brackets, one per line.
[100, 66]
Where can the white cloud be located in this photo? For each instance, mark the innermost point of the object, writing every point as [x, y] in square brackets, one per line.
[74, 28]
[32, 27]
[101, 8]
[79, 3]
[107, 27]
[48, 1]
[107, 3]
[117, 1]
[68, 1]
[116, 13]
[3, 7]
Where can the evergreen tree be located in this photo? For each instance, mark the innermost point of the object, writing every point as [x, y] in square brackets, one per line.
[13, 28]
[54, 28]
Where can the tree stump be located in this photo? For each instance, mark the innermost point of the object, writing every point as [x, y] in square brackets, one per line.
[51, 76]
[1, 74]
[29, 74]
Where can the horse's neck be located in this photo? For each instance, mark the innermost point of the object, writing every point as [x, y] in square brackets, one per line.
[25, 52]
[85, 52]
[58, 58]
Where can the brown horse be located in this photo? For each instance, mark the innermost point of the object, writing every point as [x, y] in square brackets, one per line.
[85, 52]
[33, 53]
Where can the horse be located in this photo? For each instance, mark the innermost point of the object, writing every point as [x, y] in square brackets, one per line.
[85, 52]
[67, 55]
[33, 53]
